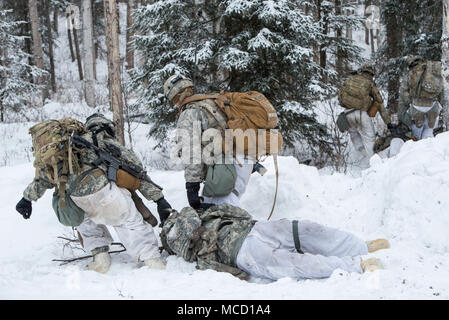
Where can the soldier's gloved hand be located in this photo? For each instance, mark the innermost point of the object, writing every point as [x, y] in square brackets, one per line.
[392, 127]
[164, 209]
[192, 194]
[24, 208]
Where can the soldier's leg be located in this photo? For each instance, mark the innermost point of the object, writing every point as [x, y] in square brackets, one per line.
[395, 147]
[136, 235]
[318, 239]
[427, 130]
[314, 238]
[96, 239]
[94, 235]
[262, 258]
[368, 133]
[354, 128]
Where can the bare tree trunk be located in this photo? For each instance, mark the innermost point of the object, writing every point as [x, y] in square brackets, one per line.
[77, 48]
[56, 19]
[69, 34]
[339, 33]
[445, 63]
[50, 46]
[394, 40]
[88, 44]
[37, 43]
[115, 85]
[371, 36]
[129, 34]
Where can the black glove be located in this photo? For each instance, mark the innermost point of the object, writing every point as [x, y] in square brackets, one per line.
[24, 208]
[192, 194]
[164, 209]
[392, 127]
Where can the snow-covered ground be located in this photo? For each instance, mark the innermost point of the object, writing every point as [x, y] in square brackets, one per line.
[403, 199]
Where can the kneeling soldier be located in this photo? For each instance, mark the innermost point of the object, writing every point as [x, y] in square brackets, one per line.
[89, 190]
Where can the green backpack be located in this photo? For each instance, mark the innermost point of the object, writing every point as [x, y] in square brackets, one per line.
[355, 93]
[426, 83]
[54, 156]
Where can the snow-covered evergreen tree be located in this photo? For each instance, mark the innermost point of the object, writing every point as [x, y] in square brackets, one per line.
[413, 28]
[16, 89]
[237, 46]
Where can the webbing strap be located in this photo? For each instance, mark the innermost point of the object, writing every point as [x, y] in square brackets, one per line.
[296, 237]
[198, 97]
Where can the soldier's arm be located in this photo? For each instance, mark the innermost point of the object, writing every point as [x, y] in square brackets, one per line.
[36, 189]
[378, 98]
[204, 263]
[149, 190]
[189, 128]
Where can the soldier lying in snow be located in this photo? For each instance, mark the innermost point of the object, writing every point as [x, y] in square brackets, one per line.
[225, 238]
[84, 196]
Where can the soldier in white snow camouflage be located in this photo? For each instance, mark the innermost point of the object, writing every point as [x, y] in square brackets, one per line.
[226, 239]
[104, 203]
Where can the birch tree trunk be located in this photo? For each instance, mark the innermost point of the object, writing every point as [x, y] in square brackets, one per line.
[88, 54]
[37, 44]
[445, 63]
[115, 84]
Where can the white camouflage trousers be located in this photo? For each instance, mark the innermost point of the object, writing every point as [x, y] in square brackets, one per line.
[113, 206]
[269, 251]
[244, 169]
[362, 133]
[425, 131]
[393, 150]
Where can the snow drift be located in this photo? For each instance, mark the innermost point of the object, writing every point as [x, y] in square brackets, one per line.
[404, 199]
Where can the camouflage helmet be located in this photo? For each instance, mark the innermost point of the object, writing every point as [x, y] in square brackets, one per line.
[176, 233]
[414, 60]
[176, 84]
[98, 122]
[368, 68]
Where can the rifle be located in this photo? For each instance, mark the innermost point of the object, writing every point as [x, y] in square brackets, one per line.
[111, 158]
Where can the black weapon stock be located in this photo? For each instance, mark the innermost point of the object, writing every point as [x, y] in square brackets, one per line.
[111, 160]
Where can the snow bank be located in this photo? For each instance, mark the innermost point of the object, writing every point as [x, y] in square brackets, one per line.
[403, 199]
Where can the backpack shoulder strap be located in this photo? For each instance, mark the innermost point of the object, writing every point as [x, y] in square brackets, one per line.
[198, 97]
[215, 111]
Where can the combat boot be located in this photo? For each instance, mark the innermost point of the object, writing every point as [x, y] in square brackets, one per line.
[379, 244]
[371, 264]
[102, 260]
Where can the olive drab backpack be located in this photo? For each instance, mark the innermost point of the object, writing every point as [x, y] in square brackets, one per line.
[355, 93]
[248, 110]
[426, 82]
[54, 156]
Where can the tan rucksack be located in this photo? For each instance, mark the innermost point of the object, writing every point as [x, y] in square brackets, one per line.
[355, 93]
[426, 82]
[52, 151]
[248, 110]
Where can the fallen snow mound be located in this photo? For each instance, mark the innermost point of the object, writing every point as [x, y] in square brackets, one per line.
[404, 199]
